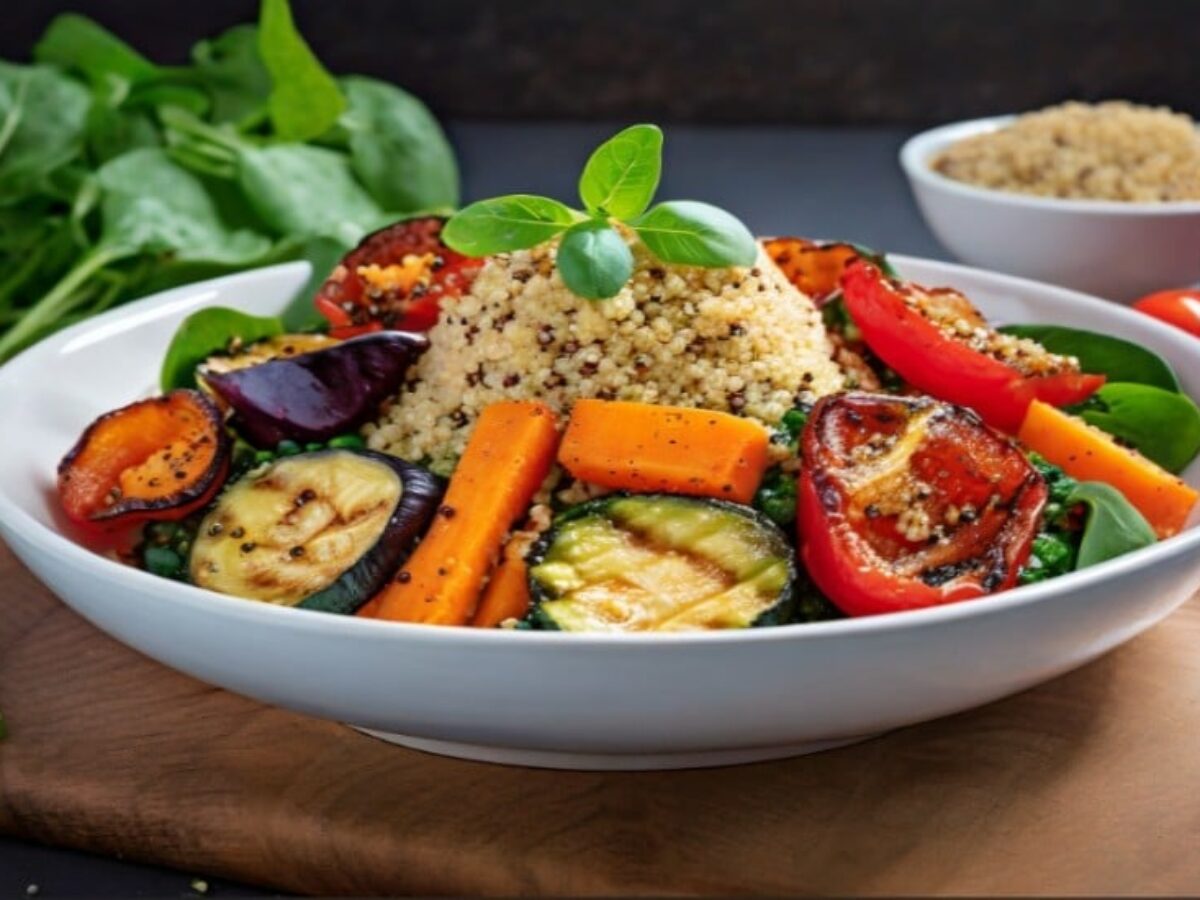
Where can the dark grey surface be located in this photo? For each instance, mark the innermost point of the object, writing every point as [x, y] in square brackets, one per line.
[790, 61]
[811, 182]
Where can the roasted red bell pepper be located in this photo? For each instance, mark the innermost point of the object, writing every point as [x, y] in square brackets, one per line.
[939, 343]
[395, 279]
[907, 502]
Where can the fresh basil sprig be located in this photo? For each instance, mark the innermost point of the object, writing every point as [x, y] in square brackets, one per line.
[618, 184]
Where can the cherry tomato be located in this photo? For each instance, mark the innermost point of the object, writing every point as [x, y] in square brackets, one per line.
[1180, 308]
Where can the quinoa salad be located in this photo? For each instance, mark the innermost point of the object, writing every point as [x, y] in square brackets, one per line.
[632, 416]
[1107, 151]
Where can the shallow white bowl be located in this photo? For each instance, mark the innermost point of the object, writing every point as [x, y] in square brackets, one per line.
[552, 699]
[1116, 250]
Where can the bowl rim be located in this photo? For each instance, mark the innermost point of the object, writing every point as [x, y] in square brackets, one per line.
[918, 149]
[52, 543]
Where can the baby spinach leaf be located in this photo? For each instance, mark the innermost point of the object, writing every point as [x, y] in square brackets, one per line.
[397, 148]
[1162, 425]
[206, 332]
[323, 254]
[151, 204]
[514, 222]
[696, 234]
[1113, 526]
[622, 174]
[230, 69]
[305, 101]
[1102, 354]
[42, 118]
[76, 42]
[594, 260]
[305, 191]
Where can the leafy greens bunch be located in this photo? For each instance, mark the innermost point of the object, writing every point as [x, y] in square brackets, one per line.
[617, 185]
[119, 177]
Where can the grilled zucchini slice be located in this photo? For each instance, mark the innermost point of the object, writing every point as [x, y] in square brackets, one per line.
[320, 530]
[659, 562]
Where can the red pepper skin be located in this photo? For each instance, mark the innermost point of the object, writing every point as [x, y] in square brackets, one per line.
[851, 497]
[924, 356]
[343, 299]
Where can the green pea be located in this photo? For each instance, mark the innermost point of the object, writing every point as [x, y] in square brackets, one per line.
[163, 561]
[313, 447]
[347, 442]
[288, 448]
[263, 456]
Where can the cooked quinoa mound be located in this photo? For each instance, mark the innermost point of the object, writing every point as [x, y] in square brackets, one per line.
[743, 341]
[1108, 151]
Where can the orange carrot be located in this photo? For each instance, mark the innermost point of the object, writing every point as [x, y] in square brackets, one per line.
[1088, 454]
[507, 459]
[507, 593]
[642, 447]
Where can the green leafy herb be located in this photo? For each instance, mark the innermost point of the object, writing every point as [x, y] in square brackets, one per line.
[119, 177]
[618, 183]
[209, 331]
[1053, 553]
[621, 176]
[776, 497]
[1162, 425]
[695, 234]
[1113, 526]
[506, 223]
[594, 260]
[1102, 354]
[397, 148]
[305, 101]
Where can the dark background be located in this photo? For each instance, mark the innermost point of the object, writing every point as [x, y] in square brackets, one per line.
[779, 61]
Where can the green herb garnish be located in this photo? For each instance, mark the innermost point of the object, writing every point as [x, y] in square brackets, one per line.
[617, 185]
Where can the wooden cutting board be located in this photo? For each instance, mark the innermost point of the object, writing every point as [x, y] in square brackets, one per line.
[1086, 785]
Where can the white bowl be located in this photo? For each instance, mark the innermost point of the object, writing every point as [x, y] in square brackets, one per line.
[554, 699]
[1111, 249]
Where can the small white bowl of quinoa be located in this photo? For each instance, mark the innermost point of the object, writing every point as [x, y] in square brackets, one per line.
[1102, 198]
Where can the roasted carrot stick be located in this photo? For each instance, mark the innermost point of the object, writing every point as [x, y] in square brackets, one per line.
[1088, 454]
[642, 447]
[507, 593]
[507, 459]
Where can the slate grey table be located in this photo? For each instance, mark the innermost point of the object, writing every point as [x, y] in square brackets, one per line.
[832, 183]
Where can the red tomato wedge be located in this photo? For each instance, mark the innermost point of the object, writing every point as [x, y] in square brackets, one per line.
[906, 502]
[1180, 308]
[940, 344]
[395, 279]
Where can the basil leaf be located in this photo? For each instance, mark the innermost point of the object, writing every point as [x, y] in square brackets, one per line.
[305, 101]
[594, 260]
[76, 42]
[1102, 354]
[304, 191]
[1113, 526]
[42, 119]
[1162, 425]
[150, 204]
[622, 174]
[231, 70]
[206, 332]
[514, 222]
[397, 148]
[696, 234]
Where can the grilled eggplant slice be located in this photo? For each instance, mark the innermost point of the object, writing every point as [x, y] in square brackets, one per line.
[659, 562]
[322, 530]
[315, 396]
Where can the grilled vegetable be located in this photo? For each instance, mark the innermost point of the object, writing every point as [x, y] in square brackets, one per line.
[395, 279]
[315, 396]
[506, 460]
[907, 502]
[657, 562]
[1088, 454]
[320, 530]
[813, 267]
[154, 459]
[644, 447]
[938, 342]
